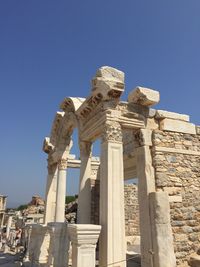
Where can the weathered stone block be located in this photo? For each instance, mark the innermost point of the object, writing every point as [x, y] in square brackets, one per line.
[144, 96]
[195, 260]
[177, 126]
[108, 82]
[162, 114]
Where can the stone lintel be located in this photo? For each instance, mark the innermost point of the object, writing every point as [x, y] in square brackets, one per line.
[177, 126]
[162, 114]
[144, 96]
[84, 233]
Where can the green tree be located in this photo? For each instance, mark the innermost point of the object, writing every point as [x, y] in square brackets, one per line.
[22, 207]
[69, 199]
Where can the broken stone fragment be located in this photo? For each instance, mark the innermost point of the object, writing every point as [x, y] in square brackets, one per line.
[110, 73]
[108, 83]
[195, 260]
[144, 96]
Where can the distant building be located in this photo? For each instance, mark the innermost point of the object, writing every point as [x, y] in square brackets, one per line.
[2, 209]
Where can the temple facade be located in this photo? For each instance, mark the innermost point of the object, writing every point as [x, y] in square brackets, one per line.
[159, 148]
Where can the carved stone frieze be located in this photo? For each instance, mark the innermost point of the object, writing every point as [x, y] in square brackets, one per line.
[112, 132]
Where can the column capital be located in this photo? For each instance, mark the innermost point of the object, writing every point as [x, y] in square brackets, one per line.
[112, 132]
[82, 234]
[143, 137]
[62, 164]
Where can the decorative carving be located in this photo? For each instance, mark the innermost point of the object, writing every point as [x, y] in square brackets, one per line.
[62, 164]
[112, 132]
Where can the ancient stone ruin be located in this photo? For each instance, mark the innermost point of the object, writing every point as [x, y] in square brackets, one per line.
[160, 148]
[2, 209]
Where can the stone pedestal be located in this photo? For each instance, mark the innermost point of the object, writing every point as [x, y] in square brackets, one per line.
[84, 238]
[112, 240]
[61, 191]
[59, 245]
[39, 246]
[84, 197]
[162, 239]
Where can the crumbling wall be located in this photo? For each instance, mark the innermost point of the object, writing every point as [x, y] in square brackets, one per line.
[176, 160]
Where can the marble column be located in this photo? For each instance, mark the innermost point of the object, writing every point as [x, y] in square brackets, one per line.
[50, 199]
[84, 197]
[146, 185]
[61, 191]
[84, 238]
[112, 247]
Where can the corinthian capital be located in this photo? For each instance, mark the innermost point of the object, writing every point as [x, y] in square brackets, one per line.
[112, 132]
[62, 164]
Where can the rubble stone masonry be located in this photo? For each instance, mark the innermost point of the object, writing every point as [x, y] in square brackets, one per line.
[177, 171]
[130, 205]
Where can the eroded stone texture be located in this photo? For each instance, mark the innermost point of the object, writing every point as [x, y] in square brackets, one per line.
[162, 114]
[144, 96]
[177, 126]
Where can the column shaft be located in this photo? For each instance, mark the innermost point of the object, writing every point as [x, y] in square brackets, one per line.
[51, 195]
[112, 239]
[61, 192]
[84, 197]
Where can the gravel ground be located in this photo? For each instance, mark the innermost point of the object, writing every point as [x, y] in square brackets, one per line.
[9, 260]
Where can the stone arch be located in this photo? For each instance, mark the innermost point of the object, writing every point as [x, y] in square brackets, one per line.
[58, 148]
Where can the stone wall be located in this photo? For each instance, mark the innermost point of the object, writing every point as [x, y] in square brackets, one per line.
[95, 190]
[131, 210]
[176, 160]
[130, 203]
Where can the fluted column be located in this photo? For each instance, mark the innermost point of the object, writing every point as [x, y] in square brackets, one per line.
[61, 191]
[50, 199]
[84, 197]
[112, 239]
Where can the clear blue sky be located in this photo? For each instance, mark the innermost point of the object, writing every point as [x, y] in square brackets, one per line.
[51, 49]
